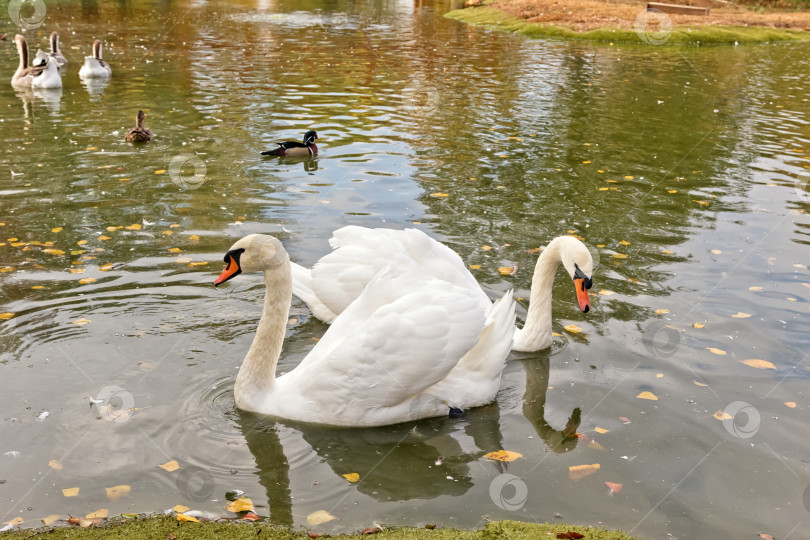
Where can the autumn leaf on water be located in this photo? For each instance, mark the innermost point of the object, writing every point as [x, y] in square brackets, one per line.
[614, 488]
[661, 311]
[619, 256]
[508, 270]
[116, 492]
[647, 395]
[605, 292]
[321, 516]
[698, 325]
[6, 315]
[722, 415]
[85, 281]
[721, 352]
[179, 508]
[251, 516]
[183, 517]
[242, 504]
[81, 321]
[503, 455]
[439, 194]
[134, 227]
[105, 267]
[755, 289]
[175, 250]
[55, 465]
[759, 364]
[170, 466]
[574, 329]
[578, 472]
[601, 430]
[791, 404]
[351, 477]
[70, 492]
[766, 536]
[700, 383]
[741, 315]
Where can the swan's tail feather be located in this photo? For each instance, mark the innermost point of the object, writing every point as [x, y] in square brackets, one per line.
[302, 288]
[488, 356]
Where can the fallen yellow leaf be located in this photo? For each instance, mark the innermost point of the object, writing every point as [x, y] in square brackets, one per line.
[116, 492]
[194, 238]
[628, 177]
[180, 508]
[321, 516]
[175, 250]
[103, 237]
[647, 395]
[56, 229]
[52, 251]
[198, 263]
[716, 251]
[81, 242]
[242, 504]
[605, 292]
[486, 248]
[50, 520]
[475, 267]
[352, 477]
[755, 289]
[6, 315]
[160, 171]
[170, 466]
[134, 227]
[113, 228]
[183, 517]
[759, 364]
[574, 329]
[741, 315]
[503, 455]
[791, 404]
[619, 256]
[722, 415]
[661, 311]
[70, 492]
[721, 352]
[105, 267]
[698, 325]
[87, 280]
[439, 194]
[700, 383]
[55, 465]
[16, 522]
[601, 430]
[81, 321]
[77, 270]
[505, 270]
[578, 472]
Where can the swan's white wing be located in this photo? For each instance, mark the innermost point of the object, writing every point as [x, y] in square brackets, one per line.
[404, 334]
[339, 277]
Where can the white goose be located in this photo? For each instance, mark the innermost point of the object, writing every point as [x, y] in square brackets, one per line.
[359, 253]
[94, 67]
[410, 346]
[24, 76]
[49, 77]
[42, 57]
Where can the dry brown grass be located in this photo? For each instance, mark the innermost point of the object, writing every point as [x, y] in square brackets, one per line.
[585, 15]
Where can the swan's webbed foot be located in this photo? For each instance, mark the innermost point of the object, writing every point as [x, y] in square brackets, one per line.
[455, 412]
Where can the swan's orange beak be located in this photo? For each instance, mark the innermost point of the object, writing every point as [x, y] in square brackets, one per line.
[582, 295]
[230, 271]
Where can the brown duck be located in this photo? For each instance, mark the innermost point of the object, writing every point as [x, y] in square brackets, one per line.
[295, 148]
[139, 134]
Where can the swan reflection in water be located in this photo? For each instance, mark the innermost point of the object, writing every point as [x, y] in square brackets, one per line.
[404, 461]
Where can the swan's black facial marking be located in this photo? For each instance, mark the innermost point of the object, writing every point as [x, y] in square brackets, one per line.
[587, 282]
[233, 269]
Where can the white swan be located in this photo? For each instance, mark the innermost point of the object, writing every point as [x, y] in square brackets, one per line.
[410, 346]
[94, 67]
[359, 253]
[49, 77]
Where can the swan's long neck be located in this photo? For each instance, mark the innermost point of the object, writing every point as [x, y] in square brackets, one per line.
[536, 332]
[22, 49]
[257, 375]
[97, 49]
[54, 43]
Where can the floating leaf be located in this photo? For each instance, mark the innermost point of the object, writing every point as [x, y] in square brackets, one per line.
[198, 263]
[700, 202]
[194, 238]
[439, 194]
[102, 237]
[614, 488]
[759, 364]
[55, 465]
[648, 395]
[134, 227]
[672, 191]
[619, 255]
[503, 455]
[698, 325]
[506, 270]
[577, 472]
[116, 492]
[16, 522]
[659, 375]
[716, 251]
[601, 430]
[628, 177]
[791, 404]
[6, 315]
[486, 248]
[715, 350]
[113, 228]
[56, 229]
[77, 270]
[700, 383]
[52, 251]
[160, 171]
[475, 267]
[242, 504]
[85, 281]
[81, 242]
[251, 516]
[741, 315]
[180, 508]
[722, 415]
[81, 321]
[167, 232]
[605, 292]
[574, 329]
[105, 267]
[50, 520]
[352, 477]
[70, 492]
[755, 289]
[170, 466]
[183, 517]
[661, 311]
[175, 250]
[624, 242]
[321, 516]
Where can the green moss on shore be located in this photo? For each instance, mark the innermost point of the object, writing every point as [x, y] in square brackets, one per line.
[163, 527]
[489, 17]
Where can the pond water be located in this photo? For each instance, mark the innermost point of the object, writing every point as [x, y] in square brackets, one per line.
[685, 169]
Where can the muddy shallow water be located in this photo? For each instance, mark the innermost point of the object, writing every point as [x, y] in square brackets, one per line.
[685, 169]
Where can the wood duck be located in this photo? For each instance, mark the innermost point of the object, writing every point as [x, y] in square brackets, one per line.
[295, 148]
[42, 57]
[24, 76]
[139, 134]
[94, 67]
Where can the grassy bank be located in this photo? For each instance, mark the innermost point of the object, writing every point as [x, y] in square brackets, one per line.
[167, 527]
[490, 17]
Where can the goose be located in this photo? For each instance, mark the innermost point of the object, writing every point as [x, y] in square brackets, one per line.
[49, 77]
[410, 346]
[24, 76]
[94, 67]
[358, 253]
[42, 57]
[139, 134]
[295, 148]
